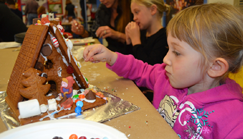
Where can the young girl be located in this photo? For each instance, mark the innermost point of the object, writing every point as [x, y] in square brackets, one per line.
[191, 88]
[149, 44]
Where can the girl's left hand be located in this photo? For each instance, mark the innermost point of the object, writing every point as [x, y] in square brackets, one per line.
[134, 33]
[128, 40]
[106, 31]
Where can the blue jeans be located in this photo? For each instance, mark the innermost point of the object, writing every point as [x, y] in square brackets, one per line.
[31, 17]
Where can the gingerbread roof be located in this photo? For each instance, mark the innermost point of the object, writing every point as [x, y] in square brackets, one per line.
[38, 51]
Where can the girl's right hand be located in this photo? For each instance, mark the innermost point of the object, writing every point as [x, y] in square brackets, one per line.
[99, 53]
[77, 28]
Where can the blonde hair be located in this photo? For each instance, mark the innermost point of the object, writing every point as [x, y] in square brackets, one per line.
[161, 6]
[215, 30]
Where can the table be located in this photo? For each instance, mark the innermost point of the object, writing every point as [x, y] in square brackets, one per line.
[145, 123]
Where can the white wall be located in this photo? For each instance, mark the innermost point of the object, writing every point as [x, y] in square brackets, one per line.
[224, 1]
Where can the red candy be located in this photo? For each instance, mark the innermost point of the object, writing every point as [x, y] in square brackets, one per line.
[69, 69]
[73, 136]
[77, 100]
[82, 137]
[45, 20]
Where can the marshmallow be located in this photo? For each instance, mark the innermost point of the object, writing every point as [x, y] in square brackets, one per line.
[29, 108]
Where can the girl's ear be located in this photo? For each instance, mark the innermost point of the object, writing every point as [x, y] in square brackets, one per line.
[218, 68]
[153, 9]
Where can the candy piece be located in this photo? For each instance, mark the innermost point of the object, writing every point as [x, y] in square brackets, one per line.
[82, 137]
[69, 69]
[73, 136]
[54, 41]
[56, 137]
[78, 110]
[90, 95]
[46, 50]
[80, 104]
[45, 20]
[76, 96]
[77, 100]
[67, 104]
[61, 29]
[81, 96]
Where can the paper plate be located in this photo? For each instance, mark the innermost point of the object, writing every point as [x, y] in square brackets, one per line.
[63, 128]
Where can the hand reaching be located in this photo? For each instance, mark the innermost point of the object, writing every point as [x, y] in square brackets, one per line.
[99, 53]
[77, 28]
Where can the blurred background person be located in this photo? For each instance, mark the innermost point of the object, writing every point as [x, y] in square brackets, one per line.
[70, 10]
[110, 21]
[13, 8]
[41, 10]
[10, 23]
[31, 10]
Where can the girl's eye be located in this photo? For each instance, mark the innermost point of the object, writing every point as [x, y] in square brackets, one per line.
[176, 53]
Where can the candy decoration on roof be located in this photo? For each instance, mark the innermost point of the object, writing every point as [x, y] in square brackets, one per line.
[61, 29]
[70, 69]
[45, 20]
[38, 22]
[70, 47]
[54, 40]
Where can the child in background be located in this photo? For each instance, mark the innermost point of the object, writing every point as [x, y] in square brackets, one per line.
[41, 10]
[146, 33]
[192, 90]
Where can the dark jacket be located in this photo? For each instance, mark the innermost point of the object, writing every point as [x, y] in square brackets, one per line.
[152, 49]
[10, 24]
[103, 16]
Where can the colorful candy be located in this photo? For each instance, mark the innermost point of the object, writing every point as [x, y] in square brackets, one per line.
[82, 137]
[73, 136]
[54, 41]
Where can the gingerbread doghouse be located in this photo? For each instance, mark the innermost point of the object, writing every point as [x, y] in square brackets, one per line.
[46, 53]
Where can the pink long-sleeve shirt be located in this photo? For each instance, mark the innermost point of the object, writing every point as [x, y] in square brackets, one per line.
[216, 113]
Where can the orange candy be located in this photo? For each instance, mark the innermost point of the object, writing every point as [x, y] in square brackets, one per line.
[73, 136]
[81, 96]
[100, 94]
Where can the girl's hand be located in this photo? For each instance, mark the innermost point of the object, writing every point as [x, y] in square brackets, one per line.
[106, 31]
[134, 33]
[99, 53]
[128, 40]
[77, 28]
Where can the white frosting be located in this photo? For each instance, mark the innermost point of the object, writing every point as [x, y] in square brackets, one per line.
[29, 108]
[89, 101]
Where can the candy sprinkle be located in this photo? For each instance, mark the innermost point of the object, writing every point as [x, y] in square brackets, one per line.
[129, 126]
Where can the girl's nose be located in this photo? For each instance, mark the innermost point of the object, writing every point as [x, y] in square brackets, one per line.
[166, 59]
[134, 18]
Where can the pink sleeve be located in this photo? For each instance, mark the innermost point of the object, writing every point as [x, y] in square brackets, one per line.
[143, 74]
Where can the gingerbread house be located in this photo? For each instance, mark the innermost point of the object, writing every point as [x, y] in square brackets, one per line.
[46, 50]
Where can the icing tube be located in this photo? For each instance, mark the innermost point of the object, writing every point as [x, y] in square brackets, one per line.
[29, 108]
